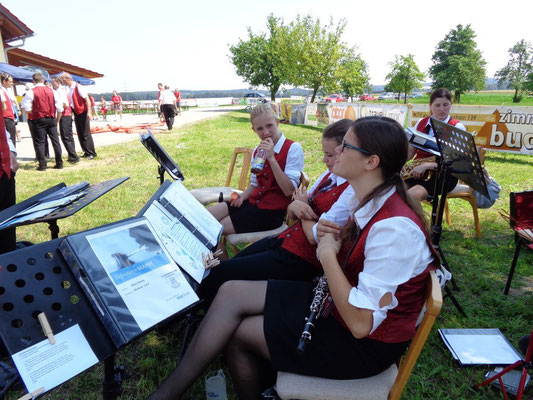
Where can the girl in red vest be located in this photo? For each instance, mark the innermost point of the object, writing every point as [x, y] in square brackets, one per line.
[262, 206]
[376, 290]
[291, 255]
[440, 104]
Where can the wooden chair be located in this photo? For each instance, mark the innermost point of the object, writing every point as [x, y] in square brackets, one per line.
[239, 238]
[521, 221]
[465, 192]
[387, 385]
[210, 195]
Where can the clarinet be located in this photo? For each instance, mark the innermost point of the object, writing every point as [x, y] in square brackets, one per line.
[320, 291]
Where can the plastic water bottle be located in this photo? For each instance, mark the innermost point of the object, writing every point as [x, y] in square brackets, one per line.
[259, 162]
[215, 387]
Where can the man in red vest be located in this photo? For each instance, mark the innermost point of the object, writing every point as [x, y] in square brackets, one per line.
[41, 104]
[65, 122]
[8, 167]
[8, 105]
[80, 103]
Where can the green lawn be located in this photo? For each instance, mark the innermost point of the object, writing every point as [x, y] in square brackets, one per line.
[203, 151]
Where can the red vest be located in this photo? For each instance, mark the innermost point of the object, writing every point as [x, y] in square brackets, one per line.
[80, 104]
[43, 103]
[268, 195]
[421, 127]
[400, 323]
[8, 113]
[5, 155]
[294, 239]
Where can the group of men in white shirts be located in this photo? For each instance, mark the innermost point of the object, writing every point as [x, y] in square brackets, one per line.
[49, 106]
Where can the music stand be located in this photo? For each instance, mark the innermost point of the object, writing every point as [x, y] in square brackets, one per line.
[166, 163]
[91, 193]
[459, 158]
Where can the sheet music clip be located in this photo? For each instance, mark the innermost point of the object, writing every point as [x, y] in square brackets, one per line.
[47, 330]
[35, 393]
[210, 260]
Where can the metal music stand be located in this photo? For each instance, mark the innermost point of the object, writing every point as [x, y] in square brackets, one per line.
[166, 163]
[92, 192]
[458, 158]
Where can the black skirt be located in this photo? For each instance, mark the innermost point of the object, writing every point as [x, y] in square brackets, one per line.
[429, 185]
[249, 218]
[333, 351]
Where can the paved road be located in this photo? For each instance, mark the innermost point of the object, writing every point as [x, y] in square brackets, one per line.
[25, 147]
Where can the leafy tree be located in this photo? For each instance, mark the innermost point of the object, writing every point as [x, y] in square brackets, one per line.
[314, 53]
[457, 63]
[405, 76]
[259, 60]
[353, 74]
[519, 66]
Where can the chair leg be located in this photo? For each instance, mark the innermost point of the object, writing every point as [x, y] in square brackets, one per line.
[513, 265]
[447, 213]
[473, 203]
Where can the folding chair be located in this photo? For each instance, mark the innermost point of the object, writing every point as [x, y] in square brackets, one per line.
[521, 222]
[465, 192]
[386, 385]
[210, 195]
[250, 237]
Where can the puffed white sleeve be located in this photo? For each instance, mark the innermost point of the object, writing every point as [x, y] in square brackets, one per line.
[295, 163]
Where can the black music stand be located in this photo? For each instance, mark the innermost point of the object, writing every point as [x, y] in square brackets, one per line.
[166, 163]
[91, 193]
[458, 158]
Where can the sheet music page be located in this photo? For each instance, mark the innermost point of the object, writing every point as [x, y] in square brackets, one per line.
[196, 214]
[49, 365]
[182, 245]
[150, 283]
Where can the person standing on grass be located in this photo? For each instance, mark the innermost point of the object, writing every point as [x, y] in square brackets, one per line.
[263, 205]
[117, 104]
[168, 106]
[80, 104]
[178, 100]
[9, 105]
[65, 122]
[43, 105]
[93, 107]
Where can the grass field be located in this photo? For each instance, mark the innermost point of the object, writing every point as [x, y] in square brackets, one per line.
[203, 151]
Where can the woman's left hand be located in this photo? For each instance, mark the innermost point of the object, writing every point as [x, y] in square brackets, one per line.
[301, 194]
[328, 243]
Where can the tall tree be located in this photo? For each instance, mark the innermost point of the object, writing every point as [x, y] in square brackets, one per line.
[457, 63]
[405, 76]
[314, 53]
[353, 74]
[519, 66]
[259, 60]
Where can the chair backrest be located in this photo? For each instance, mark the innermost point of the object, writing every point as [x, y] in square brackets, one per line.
[245, 169]
[433, 306]
[521, 209]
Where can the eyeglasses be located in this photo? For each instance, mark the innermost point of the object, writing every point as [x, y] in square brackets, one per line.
[344, 145]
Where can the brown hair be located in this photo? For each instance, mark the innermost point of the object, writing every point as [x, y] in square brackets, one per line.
[385, 138]
[442, 92]
[337, 130]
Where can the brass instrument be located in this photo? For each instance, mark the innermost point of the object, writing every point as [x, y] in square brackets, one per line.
[407, 171]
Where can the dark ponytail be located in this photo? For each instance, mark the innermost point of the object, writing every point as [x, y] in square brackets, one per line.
[386, 138]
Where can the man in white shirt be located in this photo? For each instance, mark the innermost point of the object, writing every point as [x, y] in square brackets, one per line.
[168, 106]
[65, 122]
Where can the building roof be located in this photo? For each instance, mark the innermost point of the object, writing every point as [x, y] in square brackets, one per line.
[12, 28]
[19, 57]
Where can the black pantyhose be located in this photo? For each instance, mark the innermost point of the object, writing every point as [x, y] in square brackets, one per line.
[234, 322]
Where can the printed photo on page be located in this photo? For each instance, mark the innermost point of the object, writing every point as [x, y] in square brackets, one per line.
[181, 244]
[150, 283]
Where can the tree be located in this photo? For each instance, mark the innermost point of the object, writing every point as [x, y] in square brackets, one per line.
[353, 74]
[457, 63]
[519, 66]
[259, 60]
[314, 53]
[405, 76]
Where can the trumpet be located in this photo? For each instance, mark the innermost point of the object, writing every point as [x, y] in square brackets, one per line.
[407, 171]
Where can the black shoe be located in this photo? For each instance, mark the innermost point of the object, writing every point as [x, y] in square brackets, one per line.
[91, 157]
[41, 168]
[74, 161]
[86, 155]
[58, 166]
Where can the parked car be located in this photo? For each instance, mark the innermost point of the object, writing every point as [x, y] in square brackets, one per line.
[253, 95]
[387, 96]
[367, 97]
[334, 98]
[416, 95]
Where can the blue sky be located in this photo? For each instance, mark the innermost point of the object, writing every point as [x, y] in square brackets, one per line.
[136, 44]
